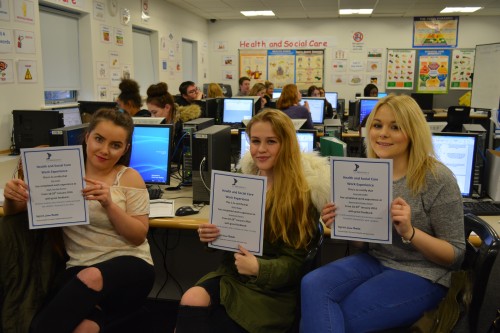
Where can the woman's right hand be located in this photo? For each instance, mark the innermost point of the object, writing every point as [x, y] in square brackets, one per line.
[16, 190]
[208, 232]
[328, 214]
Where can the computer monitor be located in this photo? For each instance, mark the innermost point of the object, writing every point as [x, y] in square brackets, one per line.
[317, 108]
[366, 105]
[306, 139]
[381, 94]
[148, 120]
[276, 93]
[235, 110]
[71, 116]
[87, 108]
[32, 127]
[332, 98]
[425, 101]
[458, 152]
[151, 145]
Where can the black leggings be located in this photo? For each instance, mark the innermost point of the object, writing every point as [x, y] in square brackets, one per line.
[127, 281]
[211, 319]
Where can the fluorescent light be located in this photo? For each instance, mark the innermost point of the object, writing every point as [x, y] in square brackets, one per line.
[460, 9]
[355, 11]
[258, 13]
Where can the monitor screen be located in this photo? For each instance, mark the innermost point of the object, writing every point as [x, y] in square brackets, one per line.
[276, 93]
[306, 139]
[32, 127]
[332, 97]
[151, 145]
[71, 116]
[425, 101]
[458, 152]
[235, 110]
[317, 108]
[89, 107]
[366, 106]
[381, 94]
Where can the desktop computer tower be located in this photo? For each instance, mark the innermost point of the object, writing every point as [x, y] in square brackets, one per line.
[353, 120]
[189, 128]
[211, 151]
[333, 127]
[481, 150]
[67, 136]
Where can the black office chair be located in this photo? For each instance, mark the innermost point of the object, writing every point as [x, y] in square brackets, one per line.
[456, 117]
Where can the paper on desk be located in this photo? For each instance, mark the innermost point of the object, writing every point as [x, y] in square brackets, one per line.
[161, 208]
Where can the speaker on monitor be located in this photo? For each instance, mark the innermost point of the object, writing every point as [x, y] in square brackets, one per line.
[209, 153]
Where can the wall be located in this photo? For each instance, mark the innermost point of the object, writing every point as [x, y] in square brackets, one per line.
[379, 33]
[165, 20]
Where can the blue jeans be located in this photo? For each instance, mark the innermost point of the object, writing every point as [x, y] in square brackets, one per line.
[357, 294]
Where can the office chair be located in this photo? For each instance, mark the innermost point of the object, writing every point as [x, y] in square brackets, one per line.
[456, 117]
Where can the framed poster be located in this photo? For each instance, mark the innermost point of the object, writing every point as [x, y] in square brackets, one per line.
[437, 31]
[400, 69]
[433, 69]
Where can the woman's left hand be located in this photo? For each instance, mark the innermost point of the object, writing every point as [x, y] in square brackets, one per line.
[246, 262]
[401, 217]
[97, 190]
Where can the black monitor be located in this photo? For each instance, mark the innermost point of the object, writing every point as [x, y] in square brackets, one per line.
[425, 101]
[71, 116]
[458, 152]
[235, 110]
[151, 145]
[366, 105]
[88, 108]
[332, 98]
[317, 108]
[32, 127]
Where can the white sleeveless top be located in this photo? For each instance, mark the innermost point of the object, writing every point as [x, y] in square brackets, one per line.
[98, 241]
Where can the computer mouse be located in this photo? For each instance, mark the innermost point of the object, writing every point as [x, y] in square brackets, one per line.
[185, 210]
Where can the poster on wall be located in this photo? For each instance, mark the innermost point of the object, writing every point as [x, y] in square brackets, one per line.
[309, 68]
[462, 66]
[105, 34]
[24, 11]
[27, 71]
[438, 31]
[102, 68]
[6, 41]
[25, 41]
[6, 71]
[400, 69]
[119, 39]
[433, 71]
[253, 65]
[99, 10]
[4, 10]
[281, 67]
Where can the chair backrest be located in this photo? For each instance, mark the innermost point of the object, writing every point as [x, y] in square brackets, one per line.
[479, 261]
[456, 117]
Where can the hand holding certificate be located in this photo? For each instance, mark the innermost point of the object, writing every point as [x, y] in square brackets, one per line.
[237, 204]
[55, 177]
[362, 192]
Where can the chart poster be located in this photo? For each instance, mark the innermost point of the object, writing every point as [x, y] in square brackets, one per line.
[462, 66]
[281, 67]
[433, 71]
[310, 68]
[400, 69]
[437, 31]
[253, 65]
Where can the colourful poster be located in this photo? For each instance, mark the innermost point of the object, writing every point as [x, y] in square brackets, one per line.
[462, 66]
[6, 71]
[281, 67]
[400, 69]
[439, 31]
[253, 65]
[309, 68]
[433, 69]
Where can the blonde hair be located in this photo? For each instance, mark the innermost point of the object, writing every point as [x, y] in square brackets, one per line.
[256, 88]
[412, 123]
[214, 90]
[289, 210]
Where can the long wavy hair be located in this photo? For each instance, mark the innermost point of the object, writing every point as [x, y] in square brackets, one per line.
[289, 97]
[289, 210]
[411, 121]
[214, 90]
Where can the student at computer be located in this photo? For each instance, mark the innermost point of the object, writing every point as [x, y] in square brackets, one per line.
[392, 285]
[269, 89]
[259, 89]
[130, 99]
[214, 91]
[259, 294]
[189, 93]
[289, 103]
[370, 90]
[314, 91]
[110, 270]
[244, 84]
[161, 104]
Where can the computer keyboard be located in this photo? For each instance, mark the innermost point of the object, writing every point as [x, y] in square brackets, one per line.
[485, 208]
[154, 192]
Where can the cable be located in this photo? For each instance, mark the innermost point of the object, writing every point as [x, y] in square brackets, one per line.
[201, 173]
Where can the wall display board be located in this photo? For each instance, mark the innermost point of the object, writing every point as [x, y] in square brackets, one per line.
[486, 82]
[302, 67]
[433, 71]
[438, 31]
[400, 69]
[462, 66]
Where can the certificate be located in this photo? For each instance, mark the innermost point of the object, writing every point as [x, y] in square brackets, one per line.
[55, 179]
[362, 192]
[237, 207]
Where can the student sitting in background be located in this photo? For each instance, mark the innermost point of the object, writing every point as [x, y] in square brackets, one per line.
[289, 103]
[214, 91]
[370, 90]
[259, 89]
[392, 285]
[269, 89]
[315, 91]
[259, 294]
[130, 99]
[189, 93]
[244, 84]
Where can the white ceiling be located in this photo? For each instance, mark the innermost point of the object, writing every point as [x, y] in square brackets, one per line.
[315, 9]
